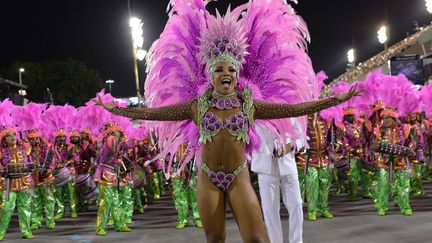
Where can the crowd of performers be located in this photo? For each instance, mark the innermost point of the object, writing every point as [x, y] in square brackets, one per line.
[379, 143]
[383, 156]
[210, 78]
[49, 161]
[51, 158]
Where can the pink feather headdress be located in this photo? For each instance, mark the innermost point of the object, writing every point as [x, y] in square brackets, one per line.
[223, 40]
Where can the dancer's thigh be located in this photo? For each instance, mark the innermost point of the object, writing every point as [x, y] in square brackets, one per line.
[246, 209]
[211, 206]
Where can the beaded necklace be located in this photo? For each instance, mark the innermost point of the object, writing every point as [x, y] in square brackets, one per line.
[225, 102]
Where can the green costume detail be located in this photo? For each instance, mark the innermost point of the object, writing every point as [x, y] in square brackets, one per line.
[416, 185]
[137, 199]
[69, 190]
[125, 195]
[401, 179]
[302, 182]
[318, 182]
[22, 200]
[109, 203]
[185, 196]
[353, 179]
[366, 181]
[43, 199]
[150, 188]
[156, 186]
[161, 180]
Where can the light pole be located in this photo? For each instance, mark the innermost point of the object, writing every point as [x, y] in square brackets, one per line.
[109, 82]
[20, 71]
[383, 36]
[138, 53]
[351, 57]
[429, 6]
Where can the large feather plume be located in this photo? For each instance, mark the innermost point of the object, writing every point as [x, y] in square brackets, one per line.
[278, 68]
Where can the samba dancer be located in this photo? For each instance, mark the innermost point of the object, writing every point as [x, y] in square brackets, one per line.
[43, 197]
[16, 181]
[184, 192]
[388, 141]
[224, 112]
[107, 176]
[63, 174]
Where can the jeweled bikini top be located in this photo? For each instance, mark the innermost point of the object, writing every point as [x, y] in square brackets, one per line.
[237, 124]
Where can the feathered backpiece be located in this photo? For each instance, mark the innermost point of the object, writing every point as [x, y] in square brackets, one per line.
[382, 90]
[29, 118]
[426, 99]
[96, 117]
[7, 109]
[277, 67]
[264, 38]
[7, 122]
[58, 120]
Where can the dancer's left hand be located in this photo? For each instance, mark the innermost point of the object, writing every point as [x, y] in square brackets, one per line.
[344, 96]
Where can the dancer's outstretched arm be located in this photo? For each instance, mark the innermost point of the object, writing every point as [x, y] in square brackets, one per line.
[178, 112]
[265, 110]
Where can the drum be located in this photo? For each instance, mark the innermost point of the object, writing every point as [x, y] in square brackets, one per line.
[62, 176]
[86, 187]
[138, 178]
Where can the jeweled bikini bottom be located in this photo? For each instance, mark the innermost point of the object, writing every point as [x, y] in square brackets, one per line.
[219, 178]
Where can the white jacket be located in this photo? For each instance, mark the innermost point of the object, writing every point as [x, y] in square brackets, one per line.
[264, 162]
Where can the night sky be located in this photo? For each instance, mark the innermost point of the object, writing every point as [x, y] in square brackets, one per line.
[97, 31]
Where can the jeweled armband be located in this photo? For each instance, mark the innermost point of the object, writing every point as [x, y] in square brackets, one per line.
[165, 113]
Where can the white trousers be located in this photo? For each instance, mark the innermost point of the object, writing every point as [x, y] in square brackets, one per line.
[270, 188]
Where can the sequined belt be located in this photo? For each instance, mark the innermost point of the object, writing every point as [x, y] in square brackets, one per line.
[219, 178]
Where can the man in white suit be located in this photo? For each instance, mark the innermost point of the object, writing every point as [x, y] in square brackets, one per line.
[277, 171]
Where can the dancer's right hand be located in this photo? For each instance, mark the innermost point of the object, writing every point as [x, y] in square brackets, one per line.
[107, 106]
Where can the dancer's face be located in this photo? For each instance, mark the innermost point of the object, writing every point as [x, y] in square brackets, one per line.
[388, 121]
[10, 139]
[412, 117]
[225, 78]
[74, 139]
[34, 141]
[85, 136]
[61, 140]
[349, 118]
[116, 134]
[421, 116]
